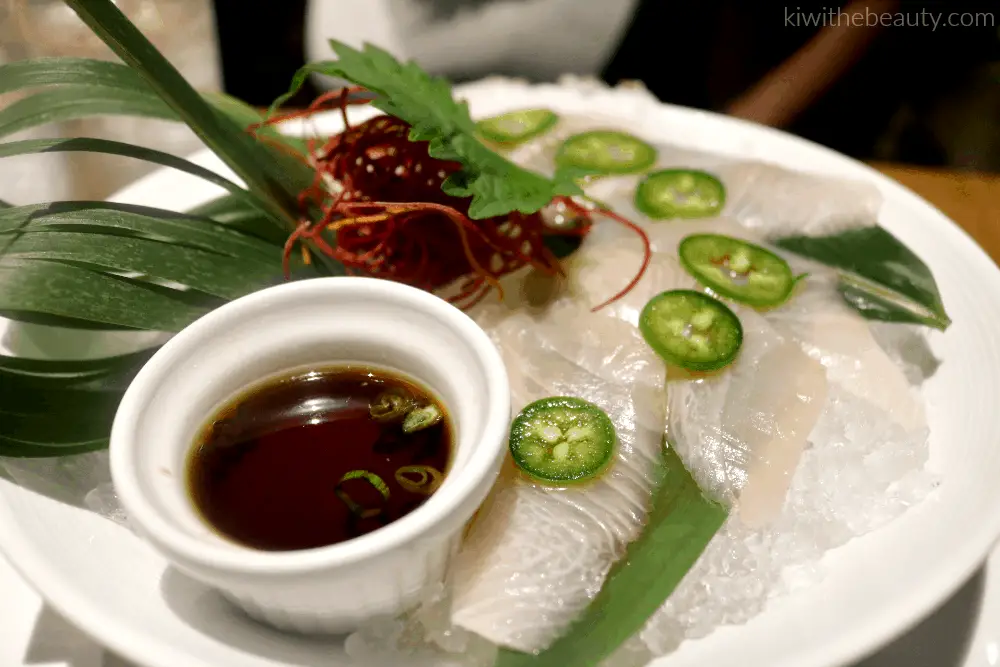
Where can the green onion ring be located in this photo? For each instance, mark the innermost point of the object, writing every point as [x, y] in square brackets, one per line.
[373, 479]
[423, 417]
[391, 405]
[430, 479]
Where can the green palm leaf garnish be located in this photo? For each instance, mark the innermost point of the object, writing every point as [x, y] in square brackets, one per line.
[108, 147]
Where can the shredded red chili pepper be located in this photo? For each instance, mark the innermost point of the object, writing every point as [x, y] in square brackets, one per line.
[386, 216]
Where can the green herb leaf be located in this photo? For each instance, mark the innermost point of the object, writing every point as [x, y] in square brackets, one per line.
[19, 449]
[71, 373]
[74, 427]
[64, 291]
[38, 72]
[496, 185]
[275, 178]
[87, 145]
[880, 277]
[83, 393]
[245, 115]
[75, 102]
[681, 524]
[244, 216]
[207, 272]
[129, 219]
[92, 79]
[240, 214]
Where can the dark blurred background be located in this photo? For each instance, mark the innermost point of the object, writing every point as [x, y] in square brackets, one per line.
[917, 95]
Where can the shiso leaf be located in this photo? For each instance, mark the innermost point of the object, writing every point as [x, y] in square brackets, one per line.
[496, 185]
[880, 277]
[681, 524]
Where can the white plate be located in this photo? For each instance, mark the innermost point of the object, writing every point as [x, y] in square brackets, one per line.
[964, 632]
[112, 585]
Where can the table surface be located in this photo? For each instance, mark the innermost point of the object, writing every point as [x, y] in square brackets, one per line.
[970, 199]
[964, 632]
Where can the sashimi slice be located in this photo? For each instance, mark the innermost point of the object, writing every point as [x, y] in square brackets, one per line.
[741, 433]
[537, 555]
[832, 333]
[775, 201]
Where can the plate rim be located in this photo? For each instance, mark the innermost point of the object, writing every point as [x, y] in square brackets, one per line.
[145, 649]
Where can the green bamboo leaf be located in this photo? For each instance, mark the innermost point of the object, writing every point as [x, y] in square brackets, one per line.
[157, 224]
[74, 102]
[38, 72]
[276, 179]
[681, 524]
[18, 449]
[4, 204]
[89, 145]
[880, 277]
[207, 272]
[64, 291]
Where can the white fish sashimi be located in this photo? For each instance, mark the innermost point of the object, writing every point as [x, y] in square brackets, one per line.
[537, 555]
[741, 433]
[829, 331]
[536, 558]
[775, 201]
[799, 435]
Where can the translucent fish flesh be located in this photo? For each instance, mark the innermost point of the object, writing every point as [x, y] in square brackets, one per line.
[537, 556]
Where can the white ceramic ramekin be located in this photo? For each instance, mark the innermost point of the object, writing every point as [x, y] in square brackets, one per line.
[320, 322]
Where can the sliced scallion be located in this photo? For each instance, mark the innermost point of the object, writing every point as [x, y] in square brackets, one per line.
[419, 479]
[357, 509]
[420, 418]
[391, 405]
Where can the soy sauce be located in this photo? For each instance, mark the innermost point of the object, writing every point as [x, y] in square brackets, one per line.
[320, 457]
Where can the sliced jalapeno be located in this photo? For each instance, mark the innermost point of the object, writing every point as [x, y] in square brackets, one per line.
[680, 193]
[516, 127]
[605, 152]
[691, 330]
[737, 269]
[562, 439]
